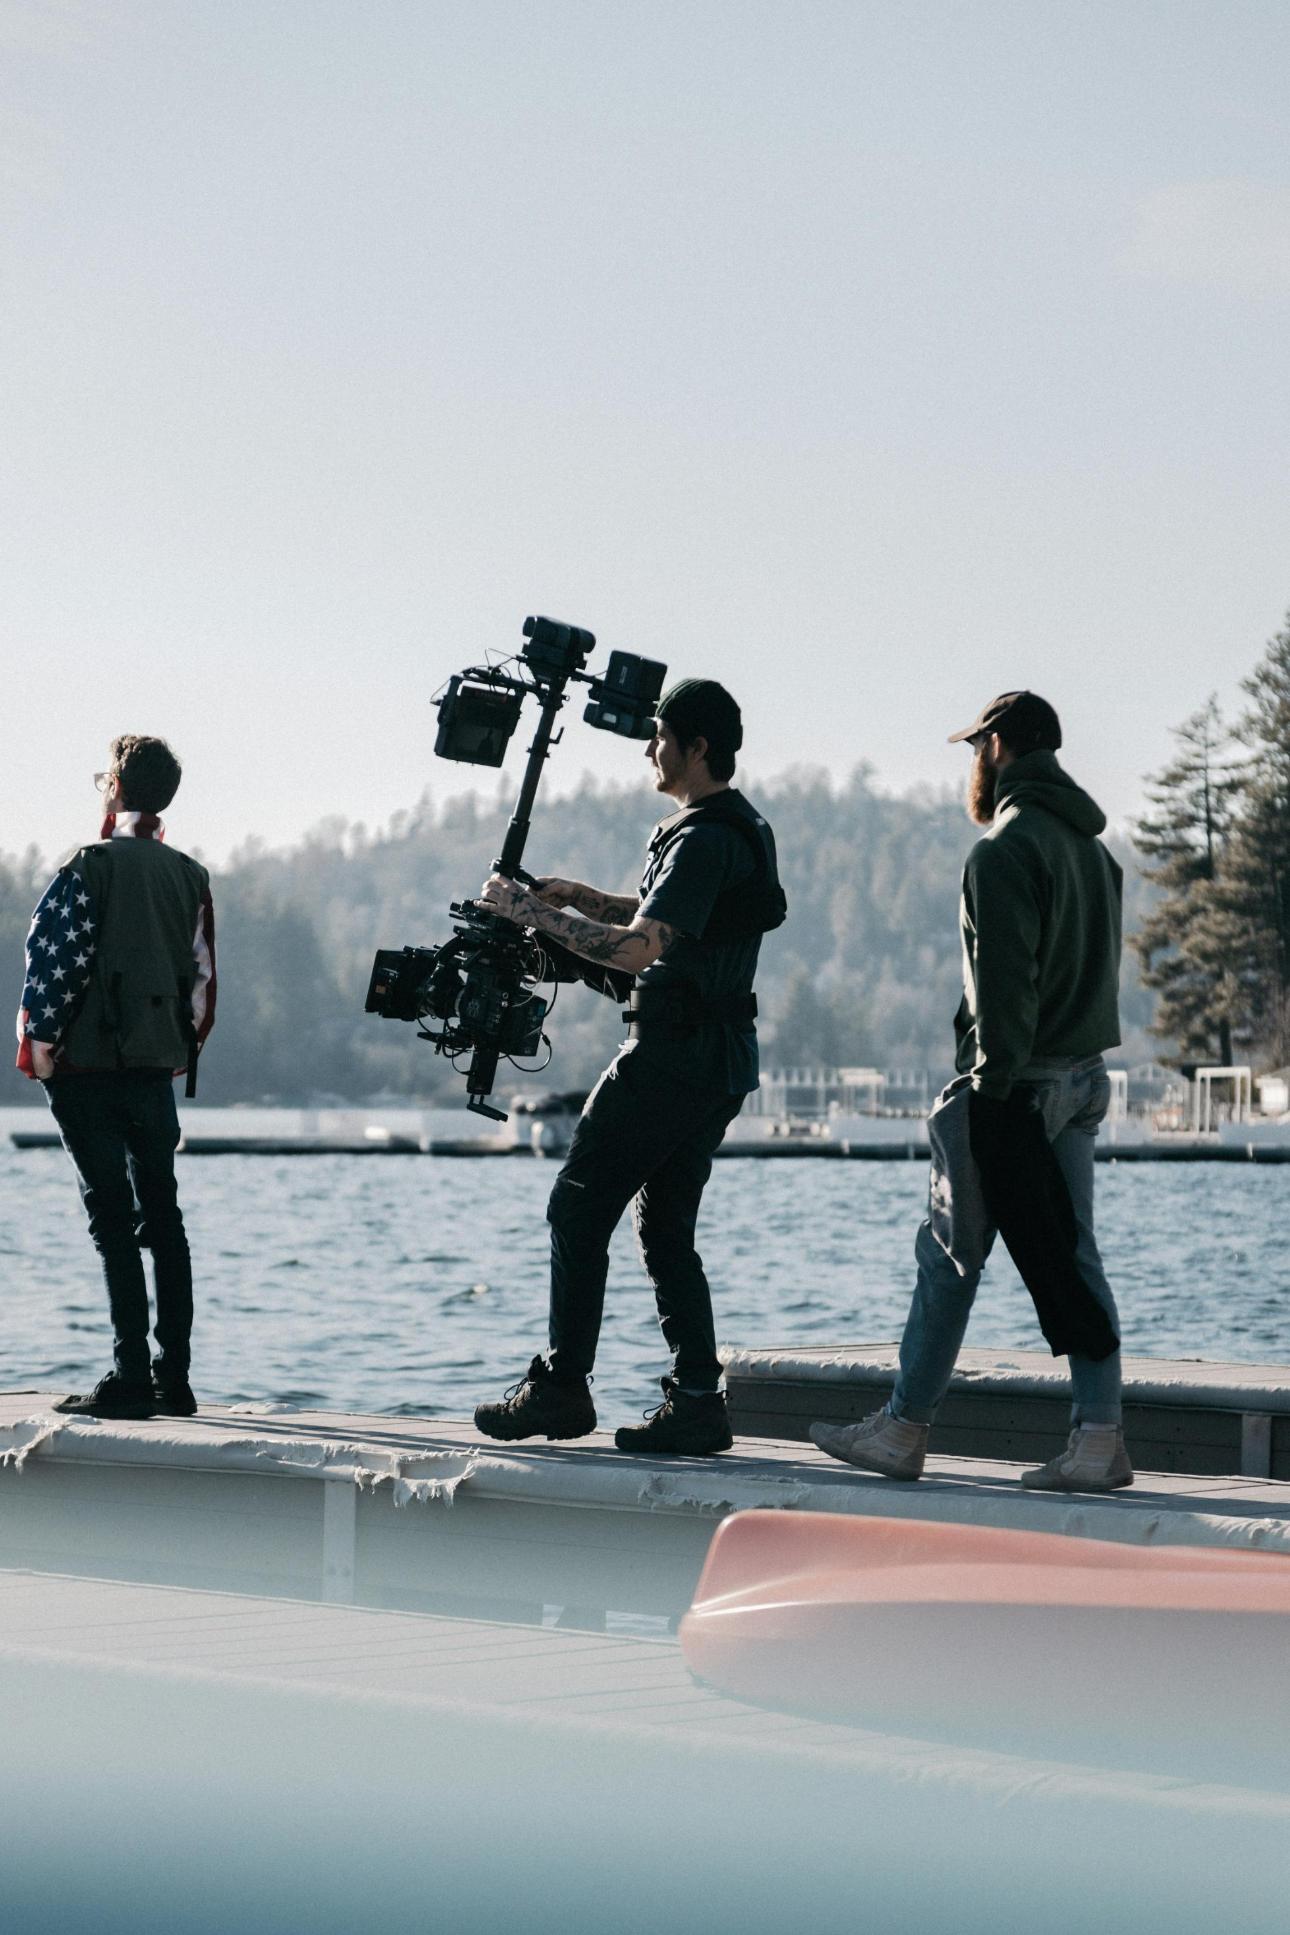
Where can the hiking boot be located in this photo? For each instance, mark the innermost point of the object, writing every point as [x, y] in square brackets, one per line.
[113, 1396]
[539, 1406]
[692, 1426]
[1094, 1460]
[894, 1447]
[173, 1395]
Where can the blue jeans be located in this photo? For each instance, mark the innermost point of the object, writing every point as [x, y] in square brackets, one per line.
[1073, 1097]
[121, 1129]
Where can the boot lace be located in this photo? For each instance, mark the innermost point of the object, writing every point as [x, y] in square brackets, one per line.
[663, 1409]
[532, 1379]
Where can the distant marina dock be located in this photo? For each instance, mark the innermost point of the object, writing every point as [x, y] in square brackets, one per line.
[856, 1114]
[877, 1138]
[901, 1147]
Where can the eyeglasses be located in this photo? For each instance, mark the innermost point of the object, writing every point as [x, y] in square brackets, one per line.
[102, 781]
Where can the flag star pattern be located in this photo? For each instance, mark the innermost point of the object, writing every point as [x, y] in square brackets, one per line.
[60, 957]
[61, 947]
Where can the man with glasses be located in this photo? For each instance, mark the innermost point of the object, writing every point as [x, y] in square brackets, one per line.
[119, 997]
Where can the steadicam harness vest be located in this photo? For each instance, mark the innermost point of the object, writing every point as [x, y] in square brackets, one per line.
[743, 911]
[752, 906]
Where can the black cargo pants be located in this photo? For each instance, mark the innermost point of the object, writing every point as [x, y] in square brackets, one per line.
[648, 1139]
[121, 1130]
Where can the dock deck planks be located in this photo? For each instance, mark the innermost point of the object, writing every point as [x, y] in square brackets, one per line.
[425, 1515]
[165, 1588]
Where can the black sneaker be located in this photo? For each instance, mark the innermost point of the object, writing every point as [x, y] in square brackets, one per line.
[539, 1406]
[695, 1426]
[113, 1396]
[173, 1396]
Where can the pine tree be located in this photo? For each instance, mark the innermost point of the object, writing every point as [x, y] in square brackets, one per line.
[805, 1031]
[1184, 837]
[1251, 915]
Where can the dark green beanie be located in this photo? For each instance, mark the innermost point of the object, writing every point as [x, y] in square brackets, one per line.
[702, 709]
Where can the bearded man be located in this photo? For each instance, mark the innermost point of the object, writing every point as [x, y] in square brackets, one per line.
[1012, 1136]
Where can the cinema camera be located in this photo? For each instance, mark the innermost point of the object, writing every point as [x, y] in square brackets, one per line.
[477, 993]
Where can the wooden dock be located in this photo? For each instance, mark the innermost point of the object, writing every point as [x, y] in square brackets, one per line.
[426, 1515]
[362, 1772]
[415, 1678]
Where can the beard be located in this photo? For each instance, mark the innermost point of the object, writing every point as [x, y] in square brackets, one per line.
[982, 782]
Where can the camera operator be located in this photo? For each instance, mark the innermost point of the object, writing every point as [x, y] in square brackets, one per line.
[651, 1125]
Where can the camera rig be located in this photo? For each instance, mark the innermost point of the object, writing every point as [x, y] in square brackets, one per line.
[477, 993]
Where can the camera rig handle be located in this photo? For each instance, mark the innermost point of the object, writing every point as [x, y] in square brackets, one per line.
[480, 1077]
[517, 833]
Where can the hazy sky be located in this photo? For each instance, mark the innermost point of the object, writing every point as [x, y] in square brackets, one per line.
[872, 357]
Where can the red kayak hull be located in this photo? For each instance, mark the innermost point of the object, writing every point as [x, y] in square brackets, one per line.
[1004, 1637]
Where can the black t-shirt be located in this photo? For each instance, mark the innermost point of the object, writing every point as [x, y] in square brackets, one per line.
[679, 887]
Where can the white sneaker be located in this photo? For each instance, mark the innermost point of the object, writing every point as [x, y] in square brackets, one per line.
[1094, 1460]
[893, 1446]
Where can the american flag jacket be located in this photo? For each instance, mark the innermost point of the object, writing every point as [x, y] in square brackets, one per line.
[61, 946]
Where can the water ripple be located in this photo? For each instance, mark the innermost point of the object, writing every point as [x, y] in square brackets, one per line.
[419, 1288]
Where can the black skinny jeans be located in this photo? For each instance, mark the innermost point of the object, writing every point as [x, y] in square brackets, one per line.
[646, 1136]
[121, 1130]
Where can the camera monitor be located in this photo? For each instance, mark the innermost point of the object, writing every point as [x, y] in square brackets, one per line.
[476, 722]
[623, 700]
[556, 650]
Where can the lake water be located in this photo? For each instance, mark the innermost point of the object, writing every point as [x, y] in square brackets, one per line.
[418, 1285]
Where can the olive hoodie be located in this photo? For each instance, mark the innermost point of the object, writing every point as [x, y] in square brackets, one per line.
[1040, 920]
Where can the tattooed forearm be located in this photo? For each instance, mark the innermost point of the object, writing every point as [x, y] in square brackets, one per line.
[615, 909]
[630, 948]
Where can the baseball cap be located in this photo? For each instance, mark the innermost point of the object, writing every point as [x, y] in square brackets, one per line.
[1026, 721]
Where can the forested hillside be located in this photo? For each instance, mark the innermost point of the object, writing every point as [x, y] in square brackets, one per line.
[866, 969]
